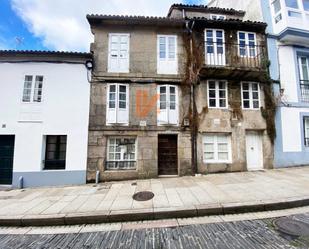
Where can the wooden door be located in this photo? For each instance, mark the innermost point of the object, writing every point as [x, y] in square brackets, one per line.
[254, 151]
[167, 155]
[6, 158]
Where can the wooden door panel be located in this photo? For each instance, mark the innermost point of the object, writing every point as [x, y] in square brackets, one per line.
[167, 155]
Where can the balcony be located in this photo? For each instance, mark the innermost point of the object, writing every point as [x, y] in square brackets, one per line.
[232, 60]
[304, 90]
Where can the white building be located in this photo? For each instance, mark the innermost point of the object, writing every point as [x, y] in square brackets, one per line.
[288, 40]
[44, 112]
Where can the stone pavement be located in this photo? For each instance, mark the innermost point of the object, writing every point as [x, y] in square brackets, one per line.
[174, 198]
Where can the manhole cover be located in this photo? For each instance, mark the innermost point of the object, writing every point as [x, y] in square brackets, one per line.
[143, 196]
[292, 227]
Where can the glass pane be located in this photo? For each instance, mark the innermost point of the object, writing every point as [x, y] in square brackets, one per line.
[256, 104]
[122, 96]
[241, 36]
[162, 105]
[291, 4]
[122, 104]
[222, 139]
[277, 6]
[172, 106]
[208, 147]
[162, 89]
[255, 95]
[294, 14]
[306, 5]
[209, 139]
[173, 98]
[222, 93]
[210, 49]
[245, 86]
[251, 37]
[212, 93]
[111, 156]
[304, 65]
[162, 47]
[112, 104]
[245, 95]
[209, 156]
[117, 156]
[223, 156]
[38, 89]
[222, 147]
[212, 85]
[172, 89]
[222, 102]
[219, 34]
[221, 85]
[112, 88]
[220, 50]
[172, 47]
[209, 33]
[212, 103]
[246, 104]
[163, 98]
[122, 89]
[255, 87]
[51, 147]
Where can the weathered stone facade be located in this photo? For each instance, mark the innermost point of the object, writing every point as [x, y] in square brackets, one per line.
[143, 77]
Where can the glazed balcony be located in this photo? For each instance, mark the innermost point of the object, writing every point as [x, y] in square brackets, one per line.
[234, 61]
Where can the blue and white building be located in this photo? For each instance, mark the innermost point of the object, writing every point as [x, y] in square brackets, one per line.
[288, 49]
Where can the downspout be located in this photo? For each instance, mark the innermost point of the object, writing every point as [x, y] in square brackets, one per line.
[189, 29]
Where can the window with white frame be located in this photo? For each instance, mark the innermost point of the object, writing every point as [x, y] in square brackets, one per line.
[250, 95]
[33, 86]
[291, 4]
[118, 56]
[167, 54]
[217, 148]
[117, 104]
[303, 63]
[217, 17]
[217, 94]
[306, 131]
[277, 10]
[121, 153]
[306, 5]
[167, 105]
[215, 47]
[247, 44]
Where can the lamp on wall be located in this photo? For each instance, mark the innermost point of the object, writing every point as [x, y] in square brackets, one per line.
[89, 65]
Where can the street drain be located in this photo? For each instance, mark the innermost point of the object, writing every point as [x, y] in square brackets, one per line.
[292, 227]
[143, 196]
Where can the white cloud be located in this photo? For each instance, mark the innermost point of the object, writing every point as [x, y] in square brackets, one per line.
[62, 24]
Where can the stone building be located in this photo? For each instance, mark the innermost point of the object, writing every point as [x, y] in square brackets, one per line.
[177, 95]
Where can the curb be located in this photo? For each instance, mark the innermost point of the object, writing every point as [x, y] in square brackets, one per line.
[152, 213]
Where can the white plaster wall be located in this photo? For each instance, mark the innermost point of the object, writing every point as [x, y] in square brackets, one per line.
[252, 7]
[288, 73]
[291, 129]
[63, 111]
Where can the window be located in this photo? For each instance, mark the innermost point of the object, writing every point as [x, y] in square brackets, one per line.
[217, 148]
[217, 17]
[215, 47]
[167, 54]
[121, 153]
[291, 4]
[217, 94]
[304, 77]
[306, 5]
[118, 58]
[306, 131]
[247, 44]
[250, 95]
[294, 14]
[277, 6]
[32, 90]
[117, 104]
[167, 105]
[55, 152]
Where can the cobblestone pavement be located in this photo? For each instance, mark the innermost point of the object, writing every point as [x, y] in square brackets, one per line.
[247, 234]
[171, 193]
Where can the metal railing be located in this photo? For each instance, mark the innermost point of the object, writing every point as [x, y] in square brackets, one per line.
[235, 55]
[120, 165]
[304, 90]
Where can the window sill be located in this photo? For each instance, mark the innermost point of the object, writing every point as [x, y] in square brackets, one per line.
[217, 162]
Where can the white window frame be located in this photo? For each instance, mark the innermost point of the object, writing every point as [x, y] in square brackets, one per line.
[216, 150]
[250, 96]
[167, 65]
[278, 14]
[117, 103]
[301, 76]
[217, 94]
[122, 152]
[109, 69]
[168, 110]
[247, 47]
[215, 58]
[33, 89]
[217, 17]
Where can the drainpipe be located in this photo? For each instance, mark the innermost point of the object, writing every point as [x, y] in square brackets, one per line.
[189, 29]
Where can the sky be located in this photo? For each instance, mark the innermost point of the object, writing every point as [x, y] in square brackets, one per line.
[61, 24]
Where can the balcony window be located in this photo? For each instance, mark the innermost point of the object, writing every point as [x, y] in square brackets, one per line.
[277, 6]
[306, 5]
[304, 77]
[247, 44]
[291, 4]
[121, 153]
[215, 47]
